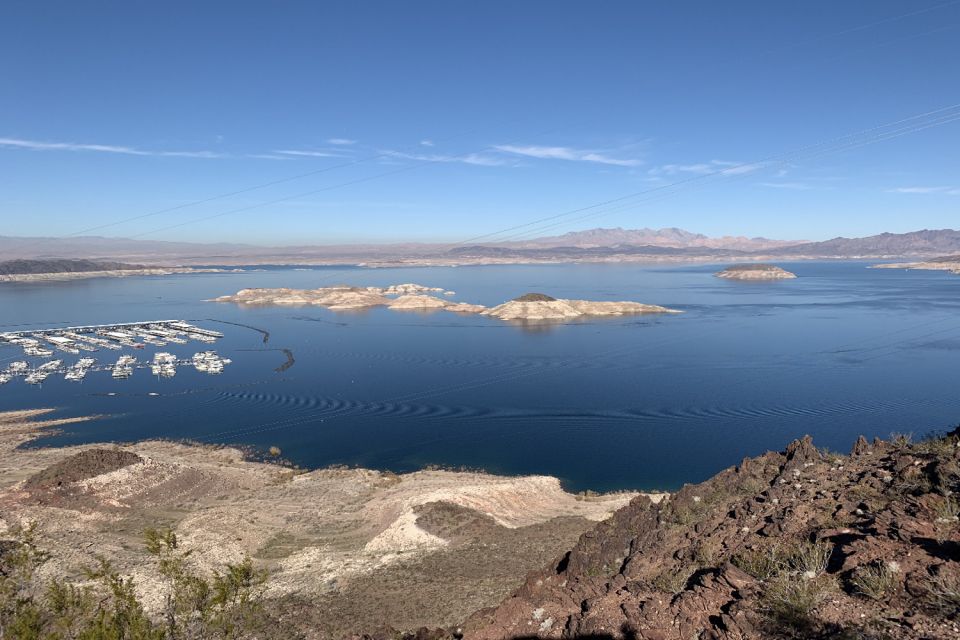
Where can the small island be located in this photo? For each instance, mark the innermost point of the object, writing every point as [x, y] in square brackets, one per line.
[414, 297]
[537, 306]
[755, 272]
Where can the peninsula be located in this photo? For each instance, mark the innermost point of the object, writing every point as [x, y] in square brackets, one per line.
[415, 297]
[755, 272]
[66, 269]
[945, 263]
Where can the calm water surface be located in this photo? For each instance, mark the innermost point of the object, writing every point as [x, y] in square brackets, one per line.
[642, 402]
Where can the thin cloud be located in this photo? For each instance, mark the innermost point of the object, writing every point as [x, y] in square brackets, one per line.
[719, 167]
[308, 153]
[426, 143]
[566, 153]
[37, 145]
[950, 191]
[341, 141]
[797, 186]
[472, 158]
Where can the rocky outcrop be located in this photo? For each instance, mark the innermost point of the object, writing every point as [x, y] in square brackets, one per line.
[569, 309]
[802, 544]
[755, 272]
[946, 263]
[343, 298]
[529, 307]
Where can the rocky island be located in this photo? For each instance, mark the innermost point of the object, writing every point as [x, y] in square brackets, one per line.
[415, 297]
[537, 306]
[755, 272]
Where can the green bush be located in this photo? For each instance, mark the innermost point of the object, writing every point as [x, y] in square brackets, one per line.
[226, 606]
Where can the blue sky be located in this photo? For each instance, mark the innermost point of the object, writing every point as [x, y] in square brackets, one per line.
[440, 121]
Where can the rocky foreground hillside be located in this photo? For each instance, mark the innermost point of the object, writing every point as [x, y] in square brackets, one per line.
[799, 544]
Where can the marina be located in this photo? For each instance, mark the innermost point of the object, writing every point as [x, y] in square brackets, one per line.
[44, 343]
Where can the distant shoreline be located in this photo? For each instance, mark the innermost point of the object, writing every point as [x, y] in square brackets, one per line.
[113, 273]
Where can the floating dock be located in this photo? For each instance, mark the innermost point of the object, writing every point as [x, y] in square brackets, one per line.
[44, 343]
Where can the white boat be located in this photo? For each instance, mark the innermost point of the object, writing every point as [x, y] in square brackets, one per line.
[123, 367]
[209, 362]
[18, 367]
[79, 370]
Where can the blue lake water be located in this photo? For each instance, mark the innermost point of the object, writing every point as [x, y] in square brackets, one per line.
[640, 402]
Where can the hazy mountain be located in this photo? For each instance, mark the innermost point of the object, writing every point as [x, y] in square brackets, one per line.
[927, 242]
[592, 244]
[667, 237]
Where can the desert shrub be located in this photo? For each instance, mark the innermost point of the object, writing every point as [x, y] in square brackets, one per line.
[226, 606]
[107, 609]
[671, 581]
[944, 591]
[708, 552]
[809, 558]
[901, 440]
[947, 511]
[761, 562]
[875, 580]
[788, 601]
[937, 445]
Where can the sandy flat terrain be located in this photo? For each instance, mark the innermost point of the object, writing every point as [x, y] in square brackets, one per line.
[343, 539]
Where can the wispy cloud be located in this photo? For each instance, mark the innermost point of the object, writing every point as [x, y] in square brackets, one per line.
[950, 191]
[308, 153]
[36, 145]
[470, 158]
[426, 143]
[796, 186]
[719, 167]
[341, 141]
[566, 153]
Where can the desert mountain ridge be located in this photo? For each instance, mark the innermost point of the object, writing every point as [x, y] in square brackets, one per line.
[592, 245]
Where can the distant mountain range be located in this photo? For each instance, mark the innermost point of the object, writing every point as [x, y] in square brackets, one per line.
[667, 237]
[609, 245]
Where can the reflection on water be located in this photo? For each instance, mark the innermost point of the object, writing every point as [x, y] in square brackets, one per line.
[629, 402]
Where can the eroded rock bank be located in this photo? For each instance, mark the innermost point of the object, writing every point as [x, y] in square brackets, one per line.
[344, 548]
[800, 544]
[530, 306]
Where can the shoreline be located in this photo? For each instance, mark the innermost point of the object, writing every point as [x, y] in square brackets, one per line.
[336, 537]
[114, 273]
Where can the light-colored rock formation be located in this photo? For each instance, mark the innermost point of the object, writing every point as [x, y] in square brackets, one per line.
[569, 309]
[343, 298]
[419, 301]
[950, 263]
[402, 289]
[755, 272]
[532, 306]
